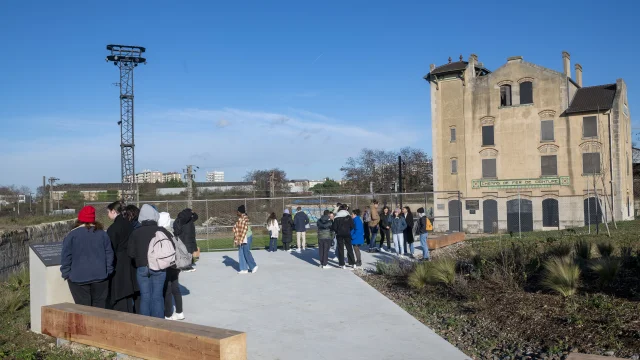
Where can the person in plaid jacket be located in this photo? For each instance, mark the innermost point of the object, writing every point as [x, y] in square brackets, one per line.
[243, 237]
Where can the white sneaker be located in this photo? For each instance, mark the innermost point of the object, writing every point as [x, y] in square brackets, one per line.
[255, 270]
[299, 251]
[177, 316]
[168, 318]
[347, 267]
[242, 272]
[326, 267]
[335, 258]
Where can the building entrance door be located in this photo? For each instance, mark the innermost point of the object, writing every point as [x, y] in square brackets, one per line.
[490, 216]
[454, 215]
[519, 215]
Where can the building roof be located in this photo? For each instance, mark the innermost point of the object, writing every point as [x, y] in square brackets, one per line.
[88, 187]
[593, 98]
[452, 67]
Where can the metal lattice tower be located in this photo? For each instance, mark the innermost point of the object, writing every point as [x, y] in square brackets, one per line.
[126, 58]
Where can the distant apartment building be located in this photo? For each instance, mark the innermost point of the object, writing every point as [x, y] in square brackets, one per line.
[298, 185]
[154, 176]
[215, 176]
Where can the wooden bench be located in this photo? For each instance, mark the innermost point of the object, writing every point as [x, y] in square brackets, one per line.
[578, 356]
[440, 241]
[141, 336]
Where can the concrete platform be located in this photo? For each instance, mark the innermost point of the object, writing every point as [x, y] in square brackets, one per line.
[292, 309]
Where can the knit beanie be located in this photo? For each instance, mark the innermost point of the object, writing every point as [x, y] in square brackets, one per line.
[242, 210]
[87, 215]
[286, 211]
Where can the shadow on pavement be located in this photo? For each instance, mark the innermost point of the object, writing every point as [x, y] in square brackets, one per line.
[230, 262]
[309, 256]
[184, 291]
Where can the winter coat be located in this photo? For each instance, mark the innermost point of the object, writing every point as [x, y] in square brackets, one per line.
[357, 233]
[385, 220]
[287, 228]
[342, 224]
[422, 224]
[324, 228]
[408, 231]
[398, 224]
[375, 217]
[123, 281]
[184, 227]
[301, 220]
[273, 227]
[87, 256]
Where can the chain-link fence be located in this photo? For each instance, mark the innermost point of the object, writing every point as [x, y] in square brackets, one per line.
[216, 217]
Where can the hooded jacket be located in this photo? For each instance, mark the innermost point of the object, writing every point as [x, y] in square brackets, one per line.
[287, 227]
[357, 233]
[87, 256]
[124, 278]
[140, 237]
[343, 224]
[324, 228]
[301, 220]
[422, 224]
[185, 228]
[398, 224]
[375, 217]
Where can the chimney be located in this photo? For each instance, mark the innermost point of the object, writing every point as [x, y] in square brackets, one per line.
[566, 61]
[473, 62]
[432, 66]
[579, 74]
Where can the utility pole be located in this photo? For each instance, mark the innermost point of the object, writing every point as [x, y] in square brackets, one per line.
[400, 178]
[44, 195]
[189, 178]
[52, 180]
[272, 184]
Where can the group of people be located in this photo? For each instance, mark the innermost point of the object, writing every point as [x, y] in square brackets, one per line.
[111, 269]
[343, 228]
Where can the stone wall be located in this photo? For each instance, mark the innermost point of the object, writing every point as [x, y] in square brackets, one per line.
[14, 245]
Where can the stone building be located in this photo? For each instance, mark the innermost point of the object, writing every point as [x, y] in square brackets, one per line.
[528, 148]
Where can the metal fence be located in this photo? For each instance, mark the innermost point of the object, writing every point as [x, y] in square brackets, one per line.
[217, 216]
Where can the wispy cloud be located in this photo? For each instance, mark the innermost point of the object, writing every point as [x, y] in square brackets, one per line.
[222, 123]
[319, 56]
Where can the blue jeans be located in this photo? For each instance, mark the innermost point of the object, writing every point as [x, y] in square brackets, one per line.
[273, 244]
[245, 257]
[151, 285]
[374, 233]
[423, 243]
[412, 249]
[398, 243]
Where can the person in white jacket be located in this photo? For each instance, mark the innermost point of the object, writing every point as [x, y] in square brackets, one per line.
[274, 229]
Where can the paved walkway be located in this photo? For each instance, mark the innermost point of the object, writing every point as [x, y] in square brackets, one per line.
[292, 309]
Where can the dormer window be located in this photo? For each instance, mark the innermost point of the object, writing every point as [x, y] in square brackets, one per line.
[505, 95]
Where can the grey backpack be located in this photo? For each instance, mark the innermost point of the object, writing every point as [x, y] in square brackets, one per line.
[183, 257]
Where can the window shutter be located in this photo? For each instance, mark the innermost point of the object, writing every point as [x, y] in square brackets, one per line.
[487, 135]
[549, 165]
[546, 130]
[489, 168]
[453, 134]
[590, 163]
[526, 92]
[589, 126]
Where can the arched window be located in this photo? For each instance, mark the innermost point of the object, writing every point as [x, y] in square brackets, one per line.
[526, 92]
[505, 95]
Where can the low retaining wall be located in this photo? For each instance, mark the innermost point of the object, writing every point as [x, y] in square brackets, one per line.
[14, 245]
[443, 240]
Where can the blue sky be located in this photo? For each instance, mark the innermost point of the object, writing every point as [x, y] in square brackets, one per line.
[243, 85]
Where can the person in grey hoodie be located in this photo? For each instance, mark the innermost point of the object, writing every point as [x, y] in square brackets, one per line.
[150, 282]
[325, 237]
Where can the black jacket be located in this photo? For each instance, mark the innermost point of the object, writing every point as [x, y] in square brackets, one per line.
[140, 239]
[408, 231]
[385, 220]
[324, 228]
[342, 225]
[123, 280]
[422, 225]
[185, 228]
[287, 227]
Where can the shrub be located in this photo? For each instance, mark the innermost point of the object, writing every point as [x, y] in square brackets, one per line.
[605, 248]
[563, 249]
[561, 275]
[607, 269]
[394, 267]
[443, 270]
[420, 276]
[583, 249]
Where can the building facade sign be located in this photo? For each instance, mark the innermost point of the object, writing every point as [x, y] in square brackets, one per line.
[521, 183]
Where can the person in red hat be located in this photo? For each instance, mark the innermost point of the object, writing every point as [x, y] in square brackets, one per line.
[87, 260]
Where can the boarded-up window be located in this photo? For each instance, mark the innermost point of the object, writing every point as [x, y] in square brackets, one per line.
[505, 95]
[453, 134]
[454, 166]
[591, 163]
[546, 130]
[526, 92]
[549, 165]
[487, 135]
[489, 168]
[589, 126]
